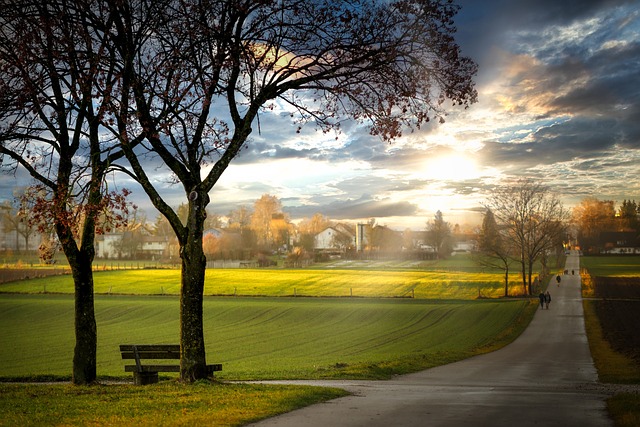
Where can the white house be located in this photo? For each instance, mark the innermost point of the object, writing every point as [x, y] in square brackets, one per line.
[334, 237]
[108, 246]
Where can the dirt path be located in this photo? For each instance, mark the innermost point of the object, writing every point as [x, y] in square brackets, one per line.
[544, 378]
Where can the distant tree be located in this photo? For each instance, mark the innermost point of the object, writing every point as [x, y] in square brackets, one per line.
[407, 239]
[389, 241]
[592, 217]
[629, 214]
[11, 223]
[265, 209]
[298, 257]
[132, 233]
[230, 244]
[163, 229]
[495, 249]
[439, 235]
[211, 245]
[213, 220]
[218, 63]
[17, 218]
[282, 230]
[240, 220]
[375, 236]
[533, 218]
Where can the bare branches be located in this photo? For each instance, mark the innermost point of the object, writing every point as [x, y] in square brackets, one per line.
[534, 221]
[210, 67]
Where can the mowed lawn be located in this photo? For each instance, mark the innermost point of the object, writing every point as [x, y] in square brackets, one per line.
[264, 338]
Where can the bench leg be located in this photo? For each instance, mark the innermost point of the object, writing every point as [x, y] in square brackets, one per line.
[144, 378]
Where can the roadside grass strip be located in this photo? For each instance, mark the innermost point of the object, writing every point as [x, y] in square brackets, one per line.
[613, 366]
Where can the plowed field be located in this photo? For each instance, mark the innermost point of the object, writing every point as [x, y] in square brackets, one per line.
[619, 313]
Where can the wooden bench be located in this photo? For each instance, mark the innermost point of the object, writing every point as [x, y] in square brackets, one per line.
[148, 374]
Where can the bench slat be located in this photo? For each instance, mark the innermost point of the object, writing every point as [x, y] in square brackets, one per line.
[151, 355]
[215, 367]
[150, 347]
[153, 368]
[167, 368]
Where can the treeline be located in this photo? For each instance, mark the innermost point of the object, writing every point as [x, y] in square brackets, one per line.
[601, 226]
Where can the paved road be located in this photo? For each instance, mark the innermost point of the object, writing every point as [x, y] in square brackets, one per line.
[544, 378]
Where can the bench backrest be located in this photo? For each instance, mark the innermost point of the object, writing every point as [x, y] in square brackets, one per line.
[155, 351]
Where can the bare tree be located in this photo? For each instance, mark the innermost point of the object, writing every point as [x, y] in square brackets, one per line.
[534, 219]
[196, 74]
[240, 220]
[55, 82]
[494, 248]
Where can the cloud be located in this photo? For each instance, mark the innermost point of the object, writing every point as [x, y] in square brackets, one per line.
[364, 207]
[559, 101]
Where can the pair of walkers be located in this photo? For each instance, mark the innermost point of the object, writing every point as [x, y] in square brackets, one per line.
[545, 299]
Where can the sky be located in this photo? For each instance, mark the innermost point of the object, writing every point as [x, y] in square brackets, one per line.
[558, 101]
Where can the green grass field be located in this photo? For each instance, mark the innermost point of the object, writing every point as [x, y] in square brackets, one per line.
[616, 266]
[282, 282]
[253, 337]
[261, 338]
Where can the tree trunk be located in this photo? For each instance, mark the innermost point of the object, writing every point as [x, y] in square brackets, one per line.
[193, 358]
[84, 355]
[524, 275]
[506, 282]
[530, 275]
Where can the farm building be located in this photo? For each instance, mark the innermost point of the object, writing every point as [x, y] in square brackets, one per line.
[338, 237]
[620, 242]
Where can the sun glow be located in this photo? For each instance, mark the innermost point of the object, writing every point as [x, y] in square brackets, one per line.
[451, 167]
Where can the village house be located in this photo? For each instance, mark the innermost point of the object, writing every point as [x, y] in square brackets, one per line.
[620, 242]
[334, 239]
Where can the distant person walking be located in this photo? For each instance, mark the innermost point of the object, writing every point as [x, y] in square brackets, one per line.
[547, 299]
[558, 279]
[542, 298]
